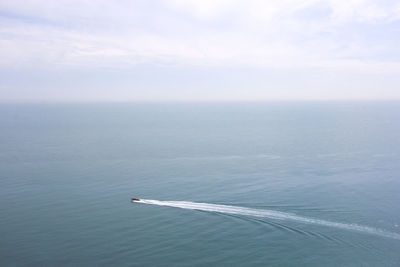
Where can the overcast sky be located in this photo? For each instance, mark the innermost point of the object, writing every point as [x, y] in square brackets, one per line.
[205, 50]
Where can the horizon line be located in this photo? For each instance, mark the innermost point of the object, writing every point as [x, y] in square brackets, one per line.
[192, 101]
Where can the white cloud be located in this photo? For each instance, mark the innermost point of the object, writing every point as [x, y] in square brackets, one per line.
[205, 9]
[284, 35]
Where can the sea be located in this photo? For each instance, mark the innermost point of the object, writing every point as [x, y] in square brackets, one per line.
[308, 183]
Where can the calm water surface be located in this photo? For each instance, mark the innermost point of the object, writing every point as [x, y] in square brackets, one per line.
[68, 171]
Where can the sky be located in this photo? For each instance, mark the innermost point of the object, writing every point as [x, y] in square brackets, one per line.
[204, 50]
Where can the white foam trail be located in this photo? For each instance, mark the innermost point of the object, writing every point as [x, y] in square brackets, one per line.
[268, 214]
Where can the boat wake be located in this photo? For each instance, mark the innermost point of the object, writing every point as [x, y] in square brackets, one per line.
[271, 214]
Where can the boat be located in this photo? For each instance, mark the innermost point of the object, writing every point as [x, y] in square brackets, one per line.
[135, 199]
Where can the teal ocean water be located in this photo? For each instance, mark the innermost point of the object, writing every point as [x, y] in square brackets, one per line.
[223, 184]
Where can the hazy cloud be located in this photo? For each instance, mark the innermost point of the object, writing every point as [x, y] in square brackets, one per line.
[320, 39]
